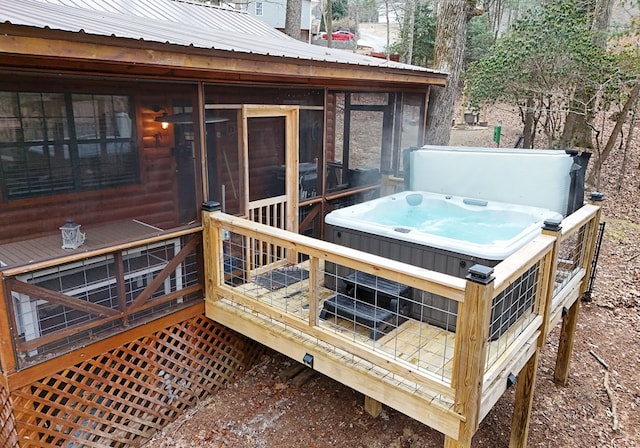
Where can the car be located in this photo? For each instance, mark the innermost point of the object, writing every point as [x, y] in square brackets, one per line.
[340, 35]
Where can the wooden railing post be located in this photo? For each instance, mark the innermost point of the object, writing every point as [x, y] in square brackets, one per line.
[314, 287]
[553, 228]
[212, 250]
[472, 338]
[570, 318]
[7, 353]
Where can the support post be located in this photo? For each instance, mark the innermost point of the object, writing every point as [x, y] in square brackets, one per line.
[212, 250]
[7, 354]
[373, 407]
[525, 387]
[565, 344]
[553, 228]
[570, 319]
[474, 315]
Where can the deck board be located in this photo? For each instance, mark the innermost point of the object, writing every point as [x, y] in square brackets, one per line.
[426, 346]
[33, 250]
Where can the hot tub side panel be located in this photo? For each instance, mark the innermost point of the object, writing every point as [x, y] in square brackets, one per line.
[427, 307]
[506, 308]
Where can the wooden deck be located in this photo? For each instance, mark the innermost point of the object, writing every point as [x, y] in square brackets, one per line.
[418, 343]
[447, 380]
[48, 247]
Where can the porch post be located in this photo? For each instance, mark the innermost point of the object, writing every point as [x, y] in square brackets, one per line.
[211, 250]
[472, 335]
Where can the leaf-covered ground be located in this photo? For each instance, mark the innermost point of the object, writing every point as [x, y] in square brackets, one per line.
[260, 409]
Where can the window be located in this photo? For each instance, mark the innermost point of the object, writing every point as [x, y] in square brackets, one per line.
[53, 143]
[258, 8]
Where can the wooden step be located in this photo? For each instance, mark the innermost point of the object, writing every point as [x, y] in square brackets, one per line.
[379, 320]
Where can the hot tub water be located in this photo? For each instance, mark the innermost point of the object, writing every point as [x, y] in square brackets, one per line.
[474, 222]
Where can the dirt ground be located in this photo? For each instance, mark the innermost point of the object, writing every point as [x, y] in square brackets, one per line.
[599, 407]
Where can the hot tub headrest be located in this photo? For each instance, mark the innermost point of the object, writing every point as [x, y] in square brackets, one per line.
[551, 179]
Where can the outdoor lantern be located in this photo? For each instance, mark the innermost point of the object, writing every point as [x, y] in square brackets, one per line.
[72, 238]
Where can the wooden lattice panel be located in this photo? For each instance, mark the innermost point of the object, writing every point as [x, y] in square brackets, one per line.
[8, 436]
[121, 398]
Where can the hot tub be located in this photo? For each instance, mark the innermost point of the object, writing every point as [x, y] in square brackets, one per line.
[439, 232]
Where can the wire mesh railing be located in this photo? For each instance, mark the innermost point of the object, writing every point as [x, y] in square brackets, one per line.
[69, 303]
[405, 316]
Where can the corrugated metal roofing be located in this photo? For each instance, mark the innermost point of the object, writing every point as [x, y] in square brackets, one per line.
[177, 22]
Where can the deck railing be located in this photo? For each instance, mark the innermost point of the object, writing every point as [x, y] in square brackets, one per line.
[429, 326]
[577, 236]
[57, 305]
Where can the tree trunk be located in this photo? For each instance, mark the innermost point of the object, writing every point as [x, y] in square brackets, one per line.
[293, 18]
[577, 131]
[388, 49]
[329, 24]
[528, 128]
[451, 35]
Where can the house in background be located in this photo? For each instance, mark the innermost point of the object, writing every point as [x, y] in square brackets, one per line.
[273, 13]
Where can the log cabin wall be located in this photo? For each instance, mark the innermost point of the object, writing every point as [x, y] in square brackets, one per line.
[152, 200]
[330, 127]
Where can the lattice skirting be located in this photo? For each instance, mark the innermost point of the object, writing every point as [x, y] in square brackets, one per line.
[8, 435]
[122, 397]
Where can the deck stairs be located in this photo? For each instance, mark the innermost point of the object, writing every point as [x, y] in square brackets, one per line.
[369, 301]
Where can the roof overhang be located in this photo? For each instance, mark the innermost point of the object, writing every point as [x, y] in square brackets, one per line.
[31, 48]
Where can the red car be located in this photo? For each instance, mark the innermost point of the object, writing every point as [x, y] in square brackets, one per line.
[340, 35]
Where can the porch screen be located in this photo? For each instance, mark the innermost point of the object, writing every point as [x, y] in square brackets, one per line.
[52, 143]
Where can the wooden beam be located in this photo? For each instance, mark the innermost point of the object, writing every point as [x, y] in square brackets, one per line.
[60, 299]
[565, 344]
[406, 370]
[161, 236]
[198, 62]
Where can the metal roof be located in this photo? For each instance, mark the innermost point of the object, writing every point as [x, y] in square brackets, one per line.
[177, 22]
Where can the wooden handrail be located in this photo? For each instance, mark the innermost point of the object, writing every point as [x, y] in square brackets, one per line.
[577, 220]
[417, 277]
[78, 256]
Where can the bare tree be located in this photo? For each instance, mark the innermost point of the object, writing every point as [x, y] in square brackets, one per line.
[451, 35]
[292, 23]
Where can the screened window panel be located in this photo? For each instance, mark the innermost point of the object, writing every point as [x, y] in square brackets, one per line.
[52, 143]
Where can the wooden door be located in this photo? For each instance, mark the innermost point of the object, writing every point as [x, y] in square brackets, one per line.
[270, 155]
